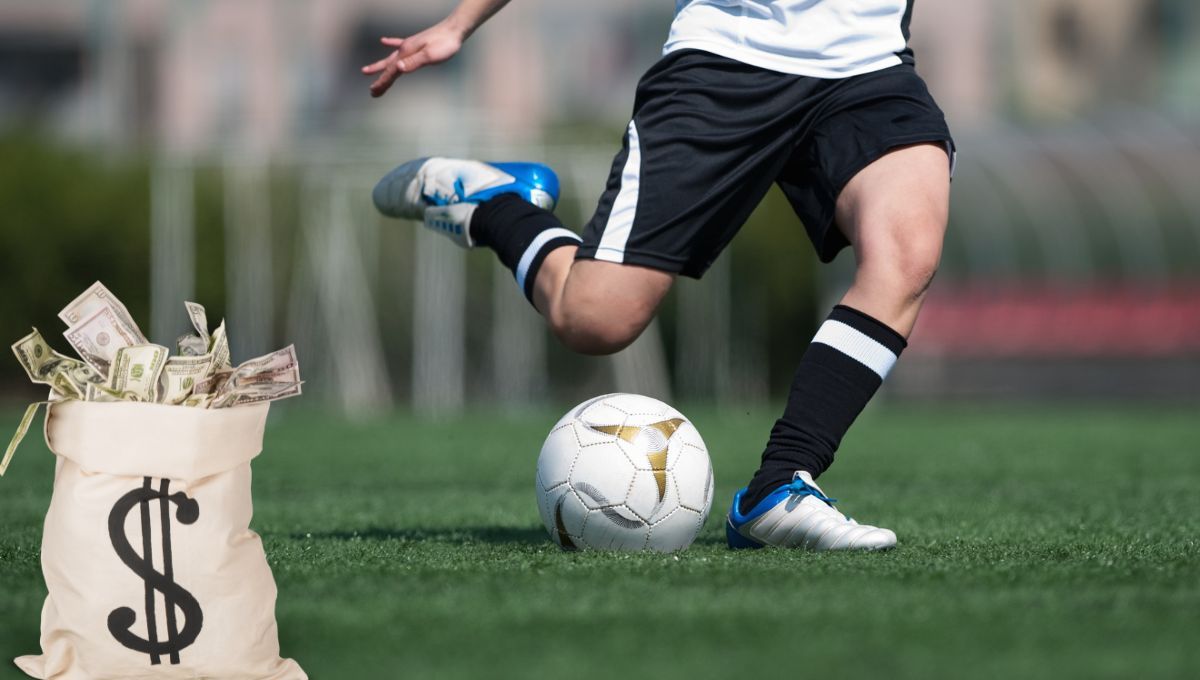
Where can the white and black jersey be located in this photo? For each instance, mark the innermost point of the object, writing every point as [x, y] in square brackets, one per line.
[817, 38]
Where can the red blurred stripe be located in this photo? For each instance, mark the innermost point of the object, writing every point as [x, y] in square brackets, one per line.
[1025, 321]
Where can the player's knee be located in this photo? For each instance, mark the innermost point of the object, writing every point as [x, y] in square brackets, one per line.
[916, 269]
[598, 329]
[908, 265]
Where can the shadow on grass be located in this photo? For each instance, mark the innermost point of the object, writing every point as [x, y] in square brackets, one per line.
[492, 535]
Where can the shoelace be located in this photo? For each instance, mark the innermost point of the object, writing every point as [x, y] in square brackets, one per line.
[443, 198]
[799, 488]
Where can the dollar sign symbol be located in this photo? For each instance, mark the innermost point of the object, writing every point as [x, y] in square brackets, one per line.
[121, 619]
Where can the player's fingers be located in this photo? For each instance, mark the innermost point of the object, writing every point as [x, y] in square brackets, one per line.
[384, 81]
[381, 64]
[408, 64]
[393, 42]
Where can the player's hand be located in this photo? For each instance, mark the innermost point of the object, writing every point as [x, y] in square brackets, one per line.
[431, 46]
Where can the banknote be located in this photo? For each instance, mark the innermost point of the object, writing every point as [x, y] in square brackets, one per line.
[199, 318]
[219, 348]
[279, 366]
[101, 393]
[212, 382]
[136, 370]
[253, 394]
[90, 300]
[190, 345]
[98, 337]
[198, 401]
[45, 366]
[22, 428]
[180, 375]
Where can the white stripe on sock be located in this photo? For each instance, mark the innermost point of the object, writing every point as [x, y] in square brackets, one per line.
[856, 345]
[624, 207]
[533, 249]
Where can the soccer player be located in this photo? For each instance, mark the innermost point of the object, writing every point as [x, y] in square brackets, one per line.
[818, 96]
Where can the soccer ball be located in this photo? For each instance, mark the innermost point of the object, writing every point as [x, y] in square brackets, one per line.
[624, 472]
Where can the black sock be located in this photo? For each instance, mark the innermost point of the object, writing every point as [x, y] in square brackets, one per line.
[838, 374]
[521, 233]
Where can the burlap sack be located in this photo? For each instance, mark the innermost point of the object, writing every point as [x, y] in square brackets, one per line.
[152, 569]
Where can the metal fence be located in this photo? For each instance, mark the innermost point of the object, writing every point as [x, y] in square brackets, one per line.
[385, 313]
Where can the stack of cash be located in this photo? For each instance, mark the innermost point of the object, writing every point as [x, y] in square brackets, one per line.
[117, 363]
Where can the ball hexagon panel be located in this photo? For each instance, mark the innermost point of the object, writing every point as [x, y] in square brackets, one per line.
[693, 477]
[688, 434]
[557, 456]
[675, 531]
[601, 475]
[645, 495]
[650, 501]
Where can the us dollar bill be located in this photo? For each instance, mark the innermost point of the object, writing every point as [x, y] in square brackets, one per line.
[190, 345]
[22, 429]
[68, 376]
[101, 393]
[90, 300]
[260, 392]
[219, 348]
[197, 401]
[199, 319]
[180, 375]
[278, 366]
[213, 382]
[98, 337]
[136, 370]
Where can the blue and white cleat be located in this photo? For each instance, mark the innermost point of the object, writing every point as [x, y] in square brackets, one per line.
[444, 192]
[800, 515]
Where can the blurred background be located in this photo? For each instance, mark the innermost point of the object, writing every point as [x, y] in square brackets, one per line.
[223, 151]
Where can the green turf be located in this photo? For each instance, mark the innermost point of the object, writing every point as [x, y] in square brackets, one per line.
[1039, 542]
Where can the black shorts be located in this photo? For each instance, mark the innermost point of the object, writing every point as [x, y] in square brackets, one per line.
[708, 137]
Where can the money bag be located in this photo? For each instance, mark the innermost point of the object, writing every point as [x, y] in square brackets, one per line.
[150, 564]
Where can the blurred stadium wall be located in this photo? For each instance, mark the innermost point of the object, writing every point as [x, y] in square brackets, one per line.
[223, 151]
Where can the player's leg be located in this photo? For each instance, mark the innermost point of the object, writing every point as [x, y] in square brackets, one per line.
[887, 197]
[894, 215]
[592, 306]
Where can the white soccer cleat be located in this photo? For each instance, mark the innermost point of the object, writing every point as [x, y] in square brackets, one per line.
[800, 515]
[444, 192]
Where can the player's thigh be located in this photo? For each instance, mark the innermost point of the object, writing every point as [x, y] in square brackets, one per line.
[878, 135]
[894, 212]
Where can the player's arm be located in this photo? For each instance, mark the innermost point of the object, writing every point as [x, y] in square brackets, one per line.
[431, 46]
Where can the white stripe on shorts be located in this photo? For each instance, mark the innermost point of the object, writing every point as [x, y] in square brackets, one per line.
[624, 207]
[532, 251]
[857, 345]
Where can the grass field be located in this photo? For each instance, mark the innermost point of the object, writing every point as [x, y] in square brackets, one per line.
[1040, 542]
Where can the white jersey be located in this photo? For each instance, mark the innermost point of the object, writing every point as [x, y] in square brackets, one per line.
[818, 38]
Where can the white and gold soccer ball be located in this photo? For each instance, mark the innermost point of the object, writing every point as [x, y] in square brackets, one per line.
[624, 472]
